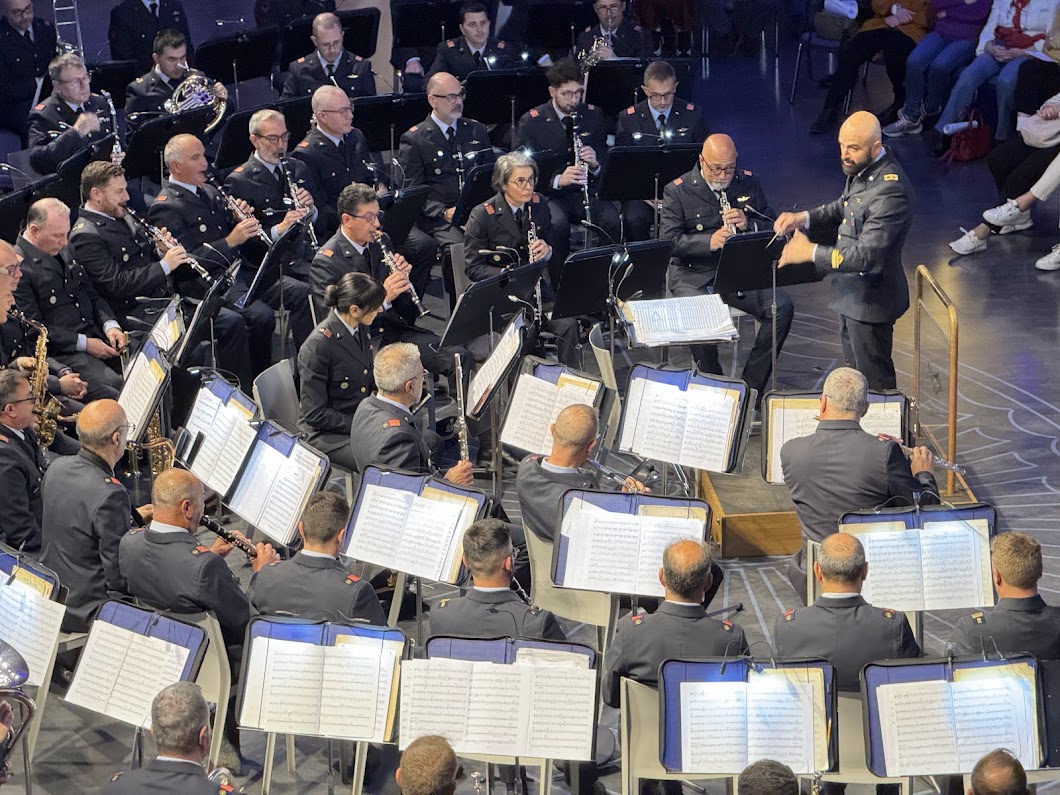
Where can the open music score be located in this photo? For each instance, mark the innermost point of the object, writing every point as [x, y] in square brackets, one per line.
[143, 387]
[30, 623]
[944, 565]
[535, 710]
[168, 327]
[347, 691]
[536, 403]
[220, 434]
[673, 321]
[484, 382]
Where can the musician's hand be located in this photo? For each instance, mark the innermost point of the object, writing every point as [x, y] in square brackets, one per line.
[266, 555]
[290, 219]
[798, 249]
[787, 223]
[413, 67]
[221, 547]
[634, 486]
[221, 91]
[573, 175]
[921, 460]
[98, 348]
[26, 363]
[72, 386]
[244, 207]
[87, 123]
[588, 155]
[717, 240]
[448, 214]
[736, 217]
[395, 284]
[242, 232]
[117, 157]
[147, 512]
[540, 250]
[175, 257]
[117, 338]
[461, 473]
[305, 198]
[605, 52]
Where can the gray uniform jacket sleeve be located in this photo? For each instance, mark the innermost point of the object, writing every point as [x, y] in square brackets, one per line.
[883, 223]
[111, 521]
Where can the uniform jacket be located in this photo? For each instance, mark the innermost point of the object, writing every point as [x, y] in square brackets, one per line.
[330, 170]
[173, 571]
[148, 94]
[493, 614]
[133, 29]
[280, 12]
[163, 777]
[628, 41]
[540, 492]
[86, 513]
[22, 467]
[336, 373]
[541, 129]
[455, 57]
[56, 291]
[873, 213]
[353, 75]
[385, 436]
[492, 224]
[53, 139]
[1015, 625]
[673, 631]
[839, 468]
[684, 122]
[18, 340]
[22, 61]
[848, 632]
[315, 588]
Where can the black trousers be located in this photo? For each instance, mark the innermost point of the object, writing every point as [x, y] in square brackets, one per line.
[1037, 81]
[295, 300]
[637, 218]
[567, 208]
[102, 379]
[421, 251]
[861, 49]
[867, 348]
[1016, 166]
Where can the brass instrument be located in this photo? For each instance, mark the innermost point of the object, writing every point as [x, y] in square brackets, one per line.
[723, 203]
[162, 241]
[236, 210]
[115, 151]
[388, 260]
[228, 535]
[815, 785]
[576, 145]
[160, 449]
[293, 193]
[14, 672]
[461, 419]
[48, 408]
[197, 91]
[587, 59]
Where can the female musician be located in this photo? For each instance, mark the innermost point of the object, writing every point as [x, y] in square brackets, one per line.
[335, 365]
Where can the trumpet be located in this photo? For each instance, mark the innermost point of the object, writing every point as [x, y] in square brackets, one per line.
[388, 260]
[461, 419]
[936, 460]
[293, 193]
[576, 145]
[236, 210]
[162, 241]
[115, 151]
[228, 535]
[625, 481]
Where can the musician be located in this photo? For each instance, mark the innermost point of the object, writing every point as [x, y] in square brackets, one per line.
[692, 217]
[869, 289]
[428, 767]
[180, 724]
[437, 152]
[999, 772]
[619, 36]
[83, 333]
[27, 44]
[335, 154]
[329, 64]
[70, 120]
[767, 777]
[355, 248]
[1021, 621]
[825, 628]
[554, 126]
[840, 468]
[679, 628]
[335, 365]
[314, 584]
[135, 23]
[86, 512]
[22, 465]
[659, 120]
[491, 609]
[385, 432]
[280, 12]
[475, 49]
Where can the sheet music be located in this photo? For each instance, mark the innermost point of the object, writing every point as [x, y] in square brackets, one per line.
[434, 700]
[812, 678]
[31, 625]
[530, 655]
[201, 421]
[140, 390]
[168, 327]
[120, 672]
[380, 520]
[427, 539]
[671, 320]
[534, 407]
[226, 441]
[708, 428]
[780, 722]
[509, 344]
[500, 696]
[713, 727]
[994, 713]
[896, 577]
[563, 712]
[633, 431]
[293, 485]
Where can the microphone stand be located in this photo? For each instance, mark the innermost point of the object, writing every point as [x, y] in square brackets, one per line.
[772, 311]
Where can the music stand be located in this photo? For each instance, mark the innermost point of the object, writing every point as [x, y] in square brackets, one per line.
[554, 25]
[113, 76]
[234, 147]
[298, 111]
[360, 30]
[477, 189]
[401, 211]
[613, 85]
[484, 306]
[240, 56]
[636, 172]
[383, 118]
[68, 188]
[15, 205]
[501, 96]
[550, 162]
[294, 41]
[143, 156]
[584, 287]
[418, 24]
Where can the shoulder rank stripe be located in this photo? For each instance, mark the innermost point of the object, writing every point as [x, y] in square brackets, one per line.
[890, 177]
[392, 423]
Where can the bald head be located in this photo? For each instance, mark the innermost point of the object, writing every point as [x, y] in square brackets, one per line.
[685, 572]
[575, 428]
[178, 497]
[717, 161]
[326, 21]
[860, 142]
[718, 147]
[999, 773]
[439, 90]
[840, 565]
[101, 429]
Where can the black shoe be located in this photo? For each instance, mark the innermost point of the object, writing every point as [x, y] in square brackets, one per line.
[938, 142]
[889, 116]
[826, 120]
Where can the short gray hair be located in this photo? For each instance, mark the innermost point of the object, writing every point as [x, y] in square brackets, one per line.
[687, 575]
[178, 714]
[394, 365]
[320, 96]
[67, 60]
[841, 558]
[10, 380]
[41, 209]
[174, 145]
[847, 390]
[506, 165]
[258, 120]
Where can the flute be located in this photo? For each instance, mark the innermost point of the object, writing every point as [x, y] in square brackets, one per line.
[936, 460]
[229, 535]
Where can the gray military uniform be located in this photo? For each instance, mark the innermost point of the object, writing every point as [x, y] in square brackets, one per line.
[164, 777]
[313, 587]
[674, 631]
[1014, 625]
[848, 632]
[540, 491]
[384, 435]
[493, 614]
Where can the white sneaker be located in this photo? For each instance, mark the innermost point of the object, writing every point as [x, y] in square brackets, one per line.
[1007, 214]
[968, 243]
[1051, 261]
[1019, 226]
[903, 126]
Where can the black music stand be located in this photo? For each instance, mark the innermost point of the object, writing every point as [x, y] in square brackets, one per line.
[550, 162]
[113, 76]
[401, 212]
[639, 172]
[68, 188]
[501, 96]
[201, 321]
[237, 57]
[360, 30]
[298, 111]
[294, 41]
[234, 147]
[614, 84]
[477, 189]
[15, 205]
[383, 119]
[143, 157]
[423, 23]
[591, 277]
[554, 25]
[485, 305]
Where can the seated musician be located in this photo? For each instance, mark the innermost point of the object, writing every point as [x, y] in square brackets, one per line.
[474, 50]
[505, 222]
[335, 366]
[330, 63]
[22, 465]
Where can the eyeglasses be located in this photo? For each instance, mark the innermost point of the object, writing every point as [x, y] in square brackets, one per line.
[608, 9]
[84, 81]
[524, 182]
[451, 97]
[719, 170]
[26, 11]
[664, 97]
[275, 139]
[369, 217]
[343, 111]
[11, 270]
[571, 94]
[128, 427]
[30, 399]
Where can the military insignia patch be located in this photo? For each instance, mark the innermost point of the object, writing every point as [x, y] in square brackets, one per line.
[678, 181]
[890, 177]
[413, 128]
[501, 45]
[837, 258]
[239, 170]
[393, 423]
[637, 619]
[199, 549]
[352, 578]
[977, 617]
[443, 603]
[747, 173]
[300, 60]
[327, 332]
[303, 145]
[490, 210]
[328, 252]
[789, 614]
[450, 43]
[888, 613]
[161, 197]
[631, 110]
[726, 625]
[690, 106]
[534, 113]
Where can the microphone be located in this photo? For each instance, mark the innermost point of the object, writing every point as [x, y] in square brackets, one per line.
[388, 83]
[591, 225]
[517, 300]
[625, 275]
[753, 211]
[511, 253]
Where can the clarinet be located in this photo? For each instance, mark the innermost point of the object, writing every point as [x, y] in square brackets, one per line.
[236, 210]
[162, 241]
[625, 481]
[388, 260]
[293, 193]
[723, 203]
[115, 151]
[461, 419]
[576, 146]
[531, 238]
[223, 532]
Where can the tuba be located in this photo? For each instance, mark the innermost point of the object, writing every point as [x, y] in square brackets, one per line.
[197, 91]
[13, 674]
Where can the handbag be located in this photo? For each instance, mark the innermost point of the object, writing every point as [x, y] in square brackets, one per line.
[970, 144]
[1038, 132]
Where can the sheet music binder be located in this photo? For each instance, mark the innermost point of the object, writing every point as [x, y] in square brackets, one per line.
[788, 415]
[168, 328]
[559, 376]
[693, 311]
[1018, 703]
[732, 671]
[326, 635]
[30, 573]
[649, 400]
[143, 387]
[217, 435]
[574, 562]
[967, 575]
[495, 370]
[467, 506]
[30, 621]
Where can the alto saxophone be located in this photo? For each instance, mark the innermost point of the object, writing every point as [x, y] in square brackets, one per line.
[48, 408]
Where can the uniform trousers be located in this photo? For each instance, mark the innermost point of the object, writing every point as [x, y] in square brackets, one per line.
[867, 348]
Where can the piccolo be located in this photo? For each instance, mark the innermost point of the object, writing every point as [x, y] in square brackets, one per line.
[936, 460]
[236, 210]
[229, 535]
[161, 240]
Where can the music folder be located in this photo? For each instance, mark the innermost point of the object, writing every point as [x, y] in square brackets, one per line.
[30, 622]
[493, 372]
[721, 714]
[677, 321]
[217, 434]
[411, 523]
[143, 387]
[614, 542]
[747, 261]
[168, 328]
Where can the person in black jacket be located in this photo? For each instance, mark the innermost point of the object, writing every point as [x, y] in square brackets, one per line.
[280, 12]
[475, 50]
[329, 64]
[618, 35]
[27, 44]
[22, 465]
[135, 23]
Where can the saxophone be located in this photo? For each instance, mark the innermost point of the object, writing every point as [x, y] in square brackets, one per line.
[48, 408]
